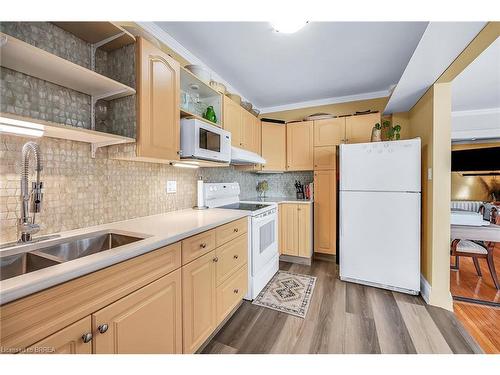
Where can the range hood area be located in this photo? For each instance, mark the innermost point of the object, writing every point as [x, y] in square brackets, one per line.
[244, 157]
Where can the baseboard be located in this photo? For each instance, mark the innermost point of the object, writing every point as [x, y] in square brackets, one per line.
[425, 289]
[294, 259]
[326, 257]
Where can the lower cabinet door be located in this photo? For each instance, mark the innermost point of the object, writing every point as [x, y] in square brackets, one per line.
[231, 292]
[304, 230]
[74, 339]
[148, 321]
[198, 301]
[289, 229]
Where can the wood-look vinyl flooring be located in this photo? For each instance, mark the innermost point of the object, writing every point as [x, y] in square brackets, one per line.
[344, 318]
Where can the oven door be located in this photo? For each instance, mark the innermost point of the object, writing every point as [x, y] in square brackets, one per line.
[264, 239]
[212, 143]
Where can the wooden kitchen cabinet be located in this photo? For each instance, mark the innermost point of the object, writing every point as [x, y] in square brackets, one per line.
[329, 132]
[231, 292]
[248, 139]
[358, 129]
[148, 321]
[325, 212]
[325, 157]
[274, 146]
[300, 144]
[158, 109]
[304, 233]
[69, 340]
[233, 119]
[296, 229]
[199, 301]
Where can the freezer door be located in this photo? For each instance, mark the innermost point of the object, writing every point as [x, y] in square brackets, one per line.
[380, 166]
[380, 238]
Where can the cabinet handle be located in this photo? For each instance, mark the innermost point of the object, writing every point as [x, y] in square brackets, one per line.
[236, 291]
[235, 256]
[215, 260]
[203, 245]
[103, 328]
[87, 337]
[235, 230]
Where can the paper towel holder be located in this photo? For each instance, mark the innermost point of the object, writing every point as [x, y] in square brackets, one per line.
[200, 196]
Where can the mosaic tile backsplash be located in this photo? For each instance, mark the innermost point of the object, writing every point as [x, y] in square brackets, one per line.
[81, 191]
[280, 184]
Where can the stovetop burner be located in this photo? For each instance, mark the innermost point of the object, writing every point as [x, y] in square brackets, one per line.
[245, 206]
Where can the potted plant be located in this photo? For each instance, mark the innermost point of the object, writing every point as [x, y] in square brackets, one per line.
[262, 188]
[377, 133]
[391, 132]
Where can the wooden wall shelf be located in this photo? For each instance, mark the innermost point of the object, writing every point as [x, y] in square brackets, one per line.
[107, 35]
[28, 59]
[72, 133]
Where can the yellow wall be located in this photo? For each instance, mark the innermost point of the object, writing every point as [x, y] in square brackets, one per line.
[338, 109]
[430, 119]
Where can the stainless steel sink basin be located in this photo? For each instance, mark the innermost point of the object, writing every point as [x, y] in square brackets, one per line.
[44, 255]
[81, 247]
[19, 264]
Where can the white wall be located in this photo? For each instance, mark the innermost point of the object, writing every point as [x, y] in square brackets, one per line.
[475, 124]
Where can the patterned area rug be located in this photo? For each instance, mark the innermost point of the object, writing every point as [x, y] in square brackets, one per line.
[287, 292]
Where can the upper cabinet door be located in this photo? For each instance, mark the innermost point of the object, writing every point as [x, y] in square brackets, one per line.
[358, 129]
[147, 321]
[274, 146]
[257, 135]
[158, 90]
[248, 140]
[329, 132]
[299, 141]
[233, 121]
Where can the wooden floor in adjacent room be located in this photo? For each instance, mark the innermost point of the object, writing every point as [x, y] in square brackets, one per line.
[482, 322]
[344, 318]
[466, 283]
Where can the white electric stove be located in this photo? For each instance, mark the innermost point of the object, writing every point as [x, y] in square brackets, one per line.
[263, 255]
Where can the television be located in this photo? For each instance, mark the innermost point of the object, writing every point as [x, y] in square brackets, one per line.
[478, 159]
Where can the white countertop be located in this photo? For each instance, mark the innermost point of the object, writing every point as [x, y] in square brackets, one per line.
[160, 230]
[278, 200]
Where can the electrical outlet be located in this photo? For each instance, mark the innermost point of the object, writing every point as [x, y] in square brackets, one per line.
[171, 187]
[429, 174]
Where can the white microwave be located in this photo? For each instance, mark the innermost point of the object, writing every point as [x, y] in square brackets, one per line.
[200, 140]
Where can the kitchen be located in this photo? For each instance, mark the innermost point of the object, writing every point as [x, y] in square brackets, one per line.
[136, 161]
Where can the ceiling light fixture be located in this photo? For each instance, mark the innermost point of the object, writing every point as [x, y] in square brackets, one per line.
[288, 26]
[19, 127]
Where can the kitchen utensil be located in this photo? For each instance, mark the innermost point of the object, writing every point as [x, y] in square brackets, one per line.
[246, 105]
[218, 87]
[200, 72]
[318, 116]
[255, 111]
[234, 97]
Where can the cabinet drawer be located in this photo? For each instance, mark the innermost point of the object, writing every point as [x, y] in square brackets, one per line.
[231, 256]
[231, 292]
[227, 232]
[196, 246]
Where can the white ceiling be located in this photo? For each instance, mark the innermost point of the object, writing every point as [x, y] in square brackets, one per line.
[323, 60]
[478, 86]
[441, 43]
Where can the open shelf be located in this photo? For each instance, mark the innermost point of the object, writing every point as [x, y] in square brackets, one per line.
[188, 79]
[28, 59]
[107, 35]
[72, 133]
[186, 114]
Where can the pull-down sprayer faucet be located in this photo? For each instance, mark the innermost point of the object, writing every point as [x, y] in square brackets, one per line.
[31, 201]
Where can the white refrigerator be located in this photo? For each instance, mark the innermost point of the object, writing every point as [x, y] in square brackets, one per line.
[379, 214]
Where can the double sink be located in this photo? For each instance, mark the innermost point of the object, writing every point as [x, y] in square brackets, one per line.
[47, 255]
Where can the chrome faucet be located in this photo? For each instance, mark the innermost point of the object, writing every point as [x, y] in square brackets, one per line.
[31, 201]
